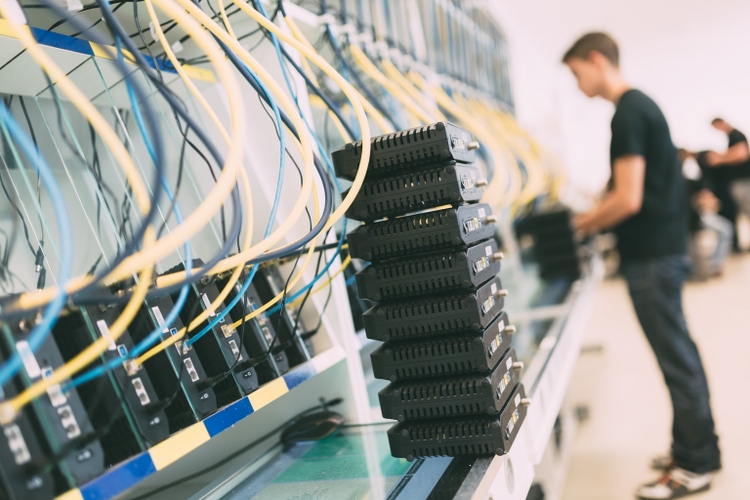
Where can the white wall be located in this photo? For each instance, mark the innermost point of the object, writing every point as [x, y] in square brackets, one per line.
[691, 56]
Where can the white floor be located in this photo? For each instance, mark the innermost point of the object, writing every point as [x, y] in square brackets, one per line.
[630, 416]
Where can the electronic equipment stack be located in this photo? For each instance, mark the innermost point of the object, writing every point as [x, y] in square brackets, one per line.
[555, 247]
[455, 381]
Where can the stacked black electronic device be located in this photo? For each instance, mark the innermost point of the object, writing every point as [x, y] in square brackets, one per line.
[555, 246]
[455, 386]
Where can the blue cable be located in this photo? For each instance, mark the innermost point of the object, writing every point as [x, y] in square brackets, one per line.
[325, 155]
[274, 208]
[42, 330]
[154, 336]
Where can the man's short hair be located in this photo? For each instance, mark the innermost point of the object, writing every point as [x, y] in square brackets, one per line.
[596, 41]
[717, 120]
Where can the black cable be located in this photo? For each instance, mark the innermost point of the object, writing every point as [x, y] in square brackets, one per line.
[234, 59]
[178, 108]
[178, 184]
[17, 210]
[310, 84]
[169, 96]
[151, 124]
[324, 405]
[38, 177]
[309, 290]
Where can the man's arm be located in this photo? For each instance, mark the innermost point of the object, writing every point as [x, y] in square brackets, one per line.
[623, 201]
[736, 155]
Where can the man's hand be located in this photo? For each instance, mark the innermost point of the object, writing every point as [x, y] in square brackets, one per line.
[583, 225]
[713, 159]
[623, 200]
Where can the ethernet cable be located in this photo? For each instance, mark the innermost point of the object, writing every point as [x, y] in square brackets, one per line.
[194, 222]
[251, 63]
[42, 329]
[8, 409]
[17, 21]
[323, 154]
[277, 196]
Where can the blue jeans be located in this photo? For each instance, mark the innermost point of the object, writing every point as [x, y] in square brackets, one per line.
[725, 234]
[655, 287]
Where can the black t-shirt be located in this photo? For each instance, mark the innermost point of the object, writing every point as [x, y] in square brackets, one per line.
[660, 228]
[741, 171]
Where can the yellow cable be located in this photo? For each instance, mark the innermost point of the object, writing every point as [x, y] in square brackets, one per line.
[316, 59]
[214, 305]
[9, 409]
[344, 264]
[198, 218]
[399, 79]
[377, 117]
[197, 321]
[308, 258]
[373, 72]
[92, 115]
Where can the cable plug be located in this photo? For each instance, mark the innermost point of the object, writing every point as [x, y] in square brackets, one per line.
[39, 262]
[40, 282]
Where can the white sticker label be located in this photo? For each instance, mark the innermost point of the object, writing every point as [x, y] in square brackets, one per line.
[104, 330]
[509, 363]
[493, 288]
[160, 319]
[152, 30]
[517, 400]
[74, 5]
[481, 212]
[177, 47]
[28, 359]
[207, 303]
[501, 326]
[488, 250]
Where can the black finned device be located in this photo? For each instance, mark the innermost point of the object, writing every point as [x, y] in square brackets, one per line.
[444, 356]
[438, 315]
[450, 437]
[416, 190]
[457, 396]
[430, 274]
[423, 232]
[407, 149]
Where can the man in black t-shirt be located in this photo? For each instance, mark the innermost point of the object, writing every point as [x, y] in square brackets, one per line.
[733, 166]
[646, 206]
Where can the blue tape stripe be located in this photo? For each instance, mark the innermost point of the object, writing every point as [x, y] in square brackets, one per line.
[228, 416]
[299, 375]
[64, 42]
[119, 478]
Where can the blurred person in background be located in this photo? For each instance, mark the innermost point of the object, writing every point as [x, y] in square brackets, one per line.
[646, 206]
[711, 234]
[733, 166]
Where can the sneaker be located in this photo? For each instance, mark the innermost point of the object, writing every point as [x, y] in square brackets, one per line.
[675, 483]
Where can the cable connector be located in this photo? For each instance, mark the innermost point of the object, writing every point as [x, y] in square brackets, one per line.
[39, 261]
[42, 280]
[7, 413]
